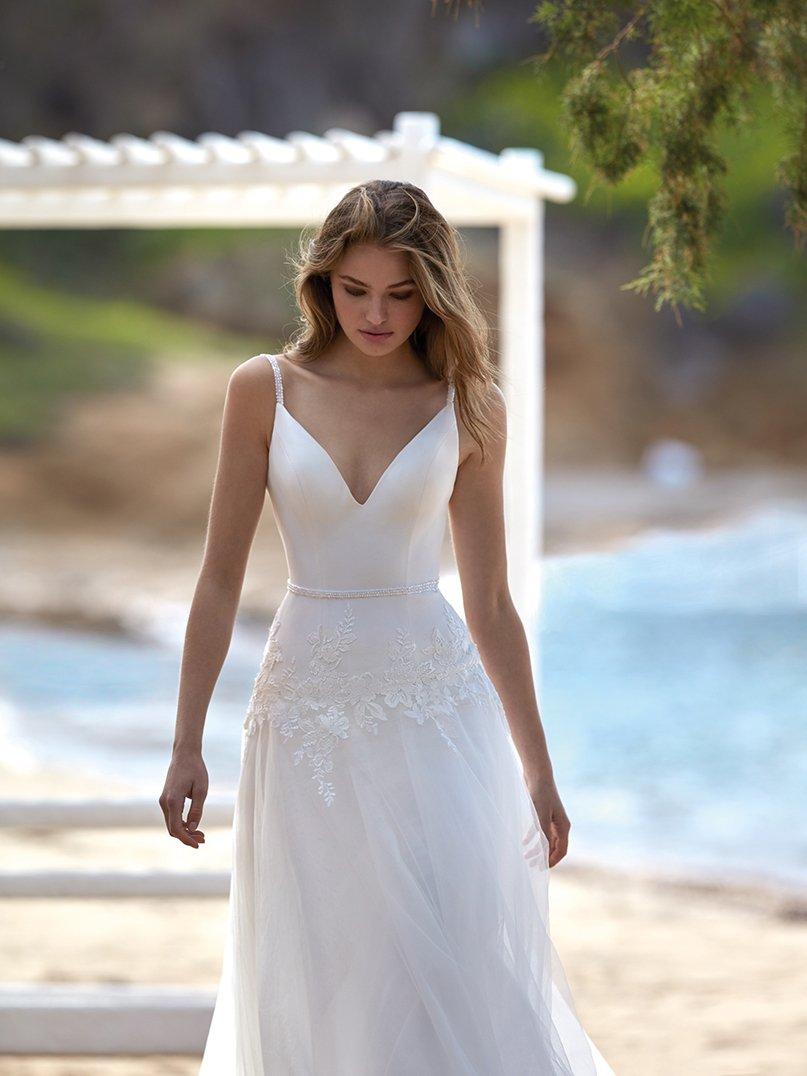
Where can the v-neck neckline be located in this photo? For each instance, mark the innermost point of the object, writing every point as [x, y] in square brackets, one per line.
[389, 466]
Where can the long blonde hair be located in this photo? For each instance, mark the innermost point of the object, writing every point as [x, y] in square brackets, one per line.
[452, 337]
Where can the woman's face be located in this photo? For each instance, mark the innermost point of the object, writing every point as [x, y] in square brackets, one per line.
[377, 303]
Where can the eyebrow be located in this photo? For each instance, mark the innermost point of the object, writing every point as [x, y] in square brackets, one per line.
[400, 283]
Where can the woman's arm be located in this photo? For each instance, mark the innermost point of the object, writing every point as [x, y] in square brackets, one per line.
[478, 534]
[238, 497]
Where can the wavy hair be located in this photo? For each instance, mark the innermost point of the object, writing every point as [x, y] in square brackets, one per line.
[452, 338]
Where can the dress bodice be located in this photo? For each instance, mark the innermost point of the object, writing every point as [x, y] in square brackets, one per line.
[389, 886]
[392, 539]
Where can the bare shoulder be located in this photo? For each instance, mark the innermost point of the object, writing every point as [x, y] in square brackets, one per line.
[254, 375]
[253, 371]
[250, 400]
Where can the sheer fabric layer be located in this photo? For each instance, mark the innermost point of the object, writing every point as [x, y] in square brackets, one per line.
[389, 907]
[387, 916]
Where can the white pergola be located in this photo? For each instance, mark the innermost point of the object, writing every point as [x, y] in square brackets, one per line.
[260, 181]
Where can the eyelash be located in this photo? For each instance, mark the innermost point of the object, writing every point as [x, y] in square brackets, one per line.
[401, 297]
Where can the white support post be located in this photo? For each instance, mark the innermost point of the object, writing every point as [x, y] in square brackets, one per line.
[522, 368]
[102, 1019]
[113, 884]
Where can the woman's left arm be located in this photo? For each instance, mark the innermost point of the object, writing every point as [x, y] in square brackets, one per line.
[476, 513]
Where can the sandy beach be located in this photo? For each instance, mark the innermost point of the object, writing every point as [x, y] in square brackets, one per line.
[670, 977]
[114, 578]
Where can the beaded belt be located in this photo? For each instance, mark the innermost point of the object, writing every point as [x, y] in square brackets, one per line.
[370, 592]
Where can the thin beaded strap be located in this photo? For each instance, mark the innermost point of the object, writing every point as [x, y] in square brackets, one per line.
[278, 378]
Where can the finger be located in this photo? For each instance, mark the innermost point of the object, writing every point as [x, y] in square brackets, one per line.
[195, 812]
[175, 824]
[557, 857]
[164, 809]
[560, 846]
[553, 846]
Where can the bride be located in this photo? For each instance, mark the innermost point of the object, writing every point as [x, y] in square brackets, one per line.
[397, 813]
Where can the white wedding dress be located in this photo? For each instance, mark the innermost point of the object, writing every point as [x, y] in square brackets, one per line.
[388, 910]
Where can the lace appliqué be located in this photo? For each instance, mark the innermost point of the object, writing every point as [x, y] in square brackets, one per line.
[323, 704]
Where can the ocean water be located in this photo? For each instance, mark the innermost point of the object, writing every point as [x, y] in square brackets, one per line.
[672, 683]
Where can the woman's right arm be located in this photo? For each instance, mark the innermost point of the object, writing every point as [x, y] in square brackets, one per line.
[237, 501]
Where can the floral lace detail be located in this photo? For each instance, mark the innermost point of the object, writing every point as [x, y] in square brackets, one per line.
[322, 704]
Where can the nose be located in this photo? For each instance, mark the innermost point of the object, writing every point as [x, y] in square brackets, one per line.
[376, 312]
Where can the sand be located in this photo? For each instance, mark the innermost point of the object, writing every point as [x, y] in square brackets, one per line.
[118, 578]
[670, 977]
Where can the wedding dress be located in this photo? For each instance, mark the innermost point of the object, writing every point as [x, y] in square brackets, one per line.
[388, 908]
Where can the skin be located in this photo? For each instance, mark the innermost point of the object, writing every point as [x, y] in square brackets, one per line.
[380, 390]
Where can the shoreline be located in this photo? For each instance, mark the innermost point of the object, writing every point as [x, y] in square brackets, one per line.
[116, 581]
[648, 952]
[771, 897]
[644, 954]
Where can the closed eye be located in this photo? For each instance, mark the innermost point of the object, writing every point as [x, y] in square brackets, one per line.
[408, 295]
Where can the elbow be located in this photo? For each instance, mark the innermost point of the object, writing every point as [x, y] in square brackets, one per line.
[224, 582]
[486, 618]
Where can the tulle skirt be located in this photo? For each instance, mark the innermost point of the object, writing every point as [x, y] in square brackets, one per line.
[388, 910]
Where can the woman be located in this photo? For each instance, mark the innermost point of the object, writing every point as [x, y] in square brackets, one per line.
[396, 813]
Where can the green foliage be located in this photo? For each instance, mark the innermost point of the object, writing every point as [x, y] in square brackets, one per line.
[603, 125]
[657, 84]
[509, 108]
[55, 346]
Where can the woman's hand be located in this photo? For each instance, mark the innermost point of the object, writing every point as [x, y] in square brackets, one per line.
[186, 779]
[552, 816]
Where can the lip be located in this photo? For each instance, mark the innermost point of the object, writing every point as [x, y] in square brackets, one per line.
[374, 336]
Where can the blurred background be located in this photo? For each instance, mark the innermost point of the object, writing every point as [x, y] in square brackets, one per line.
[672, 633]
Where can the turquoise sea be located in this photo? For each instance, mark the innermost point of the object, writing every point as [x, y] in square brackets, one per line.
[672, 680]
